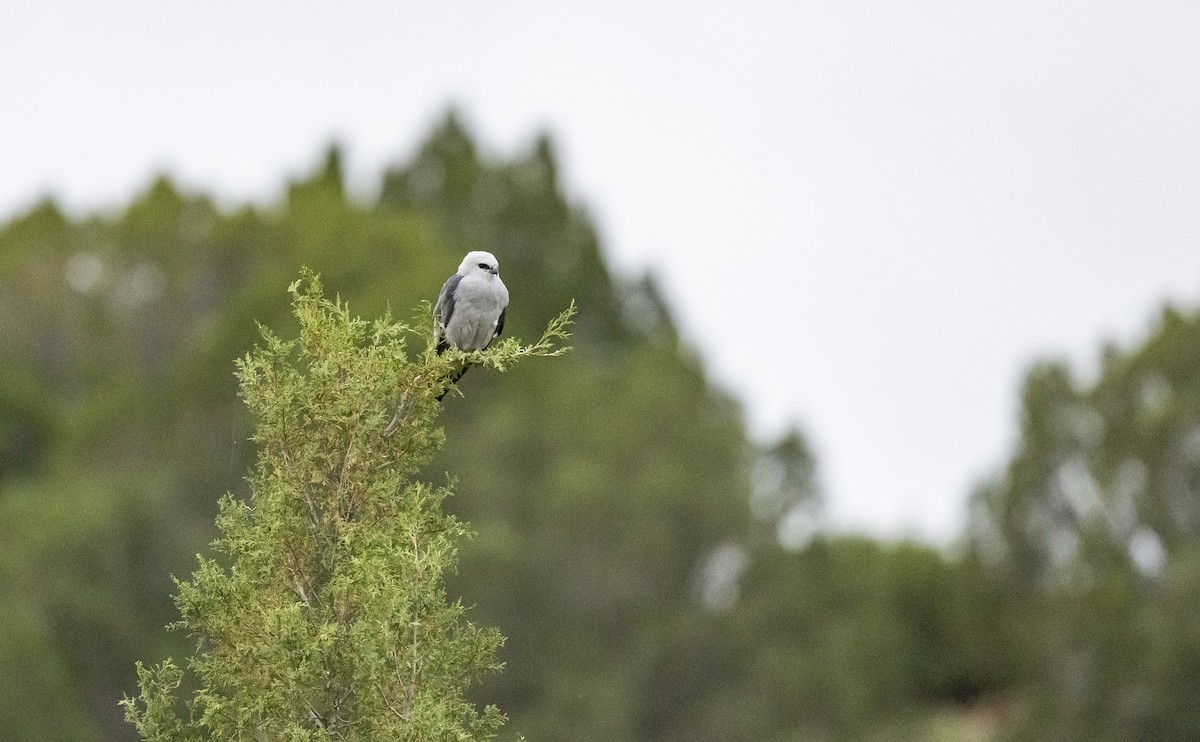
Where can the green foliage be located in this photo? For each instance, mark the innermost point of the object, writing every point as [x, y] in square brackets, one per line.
[1092, 531]
[843, 639]
[325, 616]
[603, 489]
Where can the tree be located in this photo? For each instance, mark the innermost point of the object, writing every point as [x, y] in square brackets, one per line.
[1091, 530]
[326, 617]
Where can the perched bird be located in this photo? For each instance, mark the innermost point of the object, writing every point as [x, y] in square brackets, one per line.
[469, 312]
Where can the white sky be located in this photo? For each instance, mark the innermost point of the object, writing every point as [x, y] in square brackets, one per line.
[870, 217]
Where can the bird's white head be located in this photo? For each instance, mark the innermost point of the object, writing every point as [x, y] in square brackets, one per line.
[481, 263]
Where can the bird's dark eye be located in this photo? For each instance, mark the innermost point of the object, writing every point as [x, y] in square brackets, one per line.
[483, 265]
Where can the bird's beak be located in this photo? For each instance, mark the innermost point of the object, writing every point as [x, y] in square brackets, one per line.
[494, 271]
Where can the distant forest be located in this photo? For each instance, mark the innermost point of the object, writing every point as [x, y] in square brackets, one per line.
[627, 527]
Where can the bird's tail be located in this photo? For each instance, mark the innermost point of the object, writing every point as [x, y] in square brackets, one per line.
[453, 380]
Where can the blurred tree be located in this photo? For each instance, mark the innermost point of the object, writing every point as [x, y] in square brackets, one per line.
[785, 494]
[1093, 529]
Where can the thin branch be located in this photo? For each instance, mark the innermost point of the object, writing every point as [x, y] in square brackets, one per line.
[556, 330]
[412, 679]
[401, 408]
[312, 510]
[300, 590]
[345, 467]
[320, 720]
[344, 479]
[386, 702]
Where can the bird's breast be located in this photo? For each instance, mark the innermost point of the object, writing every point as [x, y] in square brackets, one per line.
[478, 303]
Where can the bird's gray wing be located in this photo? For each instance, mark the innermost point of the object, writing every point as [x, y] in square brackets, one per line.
[444, 310]
[499, 325]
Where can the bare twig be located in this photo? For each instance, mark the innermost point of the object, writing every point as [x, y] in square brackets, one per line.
[383, 695]
[320, 720]
[401, 408]
[344, 479]
[312, 509]
[300, 590]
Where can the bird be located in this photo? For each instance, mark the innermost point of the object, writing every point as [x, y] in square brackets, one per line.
[470, 310]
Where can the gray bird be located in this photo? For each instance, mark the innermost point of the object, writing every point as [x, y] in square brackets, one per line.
[469, 312]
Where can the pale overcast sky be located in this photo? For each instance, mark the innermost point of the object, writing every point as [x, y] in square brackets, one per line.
[869, 217]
